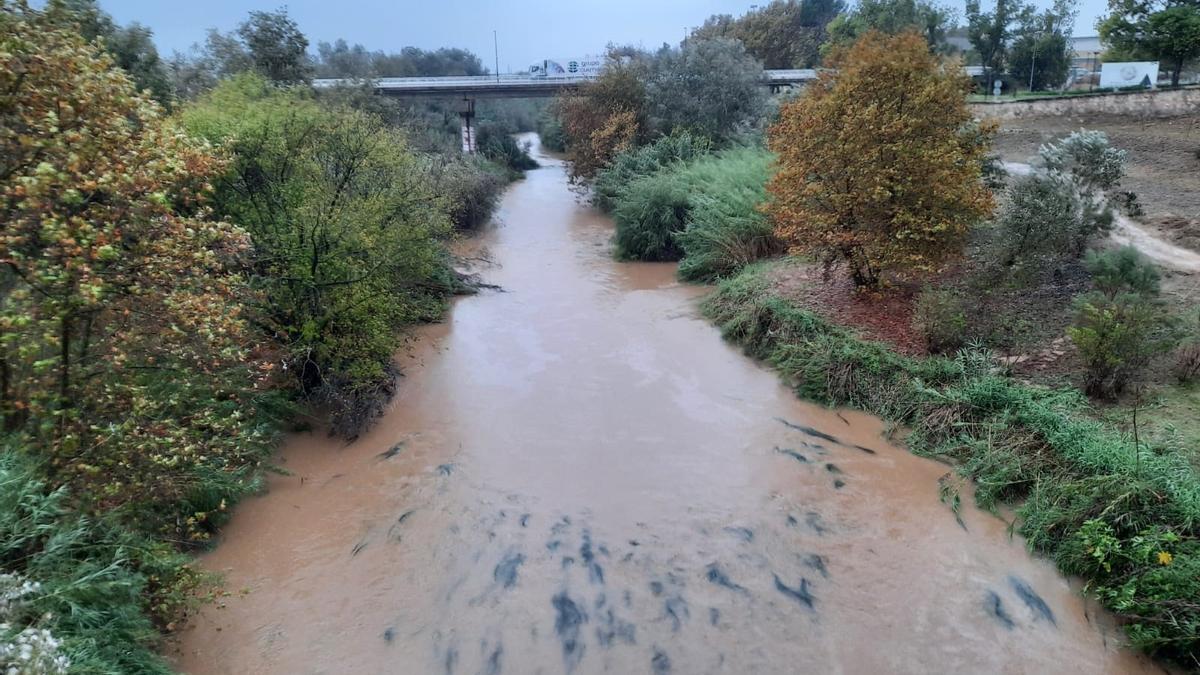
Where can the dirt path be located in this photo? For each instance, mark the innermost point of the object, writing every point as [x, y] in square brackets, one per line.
[1163, 165]
[1128, 232]
[579, 476]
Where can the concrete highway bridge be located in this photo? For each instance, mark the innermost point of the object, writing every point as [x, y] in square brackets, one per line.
[520, 85]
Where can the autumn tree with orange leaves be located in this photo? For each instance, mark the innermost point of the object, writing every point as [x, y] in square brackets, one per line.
[879, 162]
[604, 116]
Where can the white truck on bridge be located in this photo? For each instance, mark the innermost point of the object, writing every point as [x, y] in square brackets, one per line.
[586, 66]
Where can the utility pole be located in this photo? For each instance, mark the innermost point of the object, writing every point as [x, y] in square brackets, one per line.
[496, 48]
[1032, 65]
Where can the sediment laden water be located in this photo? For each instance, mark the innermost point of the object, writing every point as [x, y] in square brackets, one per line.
[579, 476]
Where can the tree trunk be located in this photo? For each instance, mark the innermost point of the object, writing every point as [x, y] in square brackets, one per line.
[861, 272]
[1175, 72]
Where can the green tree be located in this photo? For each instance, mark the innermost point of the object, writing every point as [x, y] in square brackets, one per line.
[132, 46]
[347, 234]
[709, 87]
[892, 16]
[1168, 30]
[277, 47]
[879, 165]
[341, 59]
[1041, 51]
[268, 43]
[1085, 160]
[991, 33]
[782, 34]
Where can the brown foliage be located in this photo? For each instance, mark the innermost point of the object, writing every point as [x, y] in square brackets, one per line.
[879, 160]
[603, 117]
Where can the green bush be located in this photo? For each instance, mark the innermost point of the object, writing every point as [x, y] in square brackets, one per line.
[1040, 221]
[1123, 270]
[1187, 356]
[550, 131]
[1187, 362]
[1116, 337]
[639, 162]
[495, 141]
[1030, 446]
[94, 585]
[1120, 327]
[471, 186]
[940, 317]
[669, 204]
[726, 229]
[348, 235]
[650, 212]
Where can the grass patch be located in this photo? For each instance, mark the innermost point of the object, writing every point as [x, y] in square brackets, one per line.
[1123, 518]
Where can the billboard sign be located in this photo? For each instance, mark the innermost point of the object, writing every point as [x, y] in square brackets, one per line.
[1128, 74]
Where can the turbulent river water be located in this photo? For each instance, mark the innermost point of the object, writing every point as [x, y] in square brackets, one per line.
[579, 476]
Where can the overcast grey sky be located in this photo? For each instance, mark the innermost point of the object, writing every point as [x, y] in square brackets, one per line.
[528, 31]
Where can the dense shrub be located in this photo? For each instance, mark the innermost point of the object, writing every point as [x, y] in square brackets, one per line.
[1187, 361]
[88, 582]
[127, 359]
[1116, 337]
[495, 141]
[650, 212]
[347, 232]
[941, 319]
[1187, 356]
[1123, 270]
[638, 162]
[726, 229]
[1039, 222]
[705, 211]
[550, 130]
[1127, 521]
[603, 117]
[1129, 204]
[1121, 326]
[470, 185]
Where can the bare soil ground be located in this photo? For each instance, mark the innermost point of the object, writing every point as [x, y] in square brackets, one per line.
[1163, 170]
[883, 317]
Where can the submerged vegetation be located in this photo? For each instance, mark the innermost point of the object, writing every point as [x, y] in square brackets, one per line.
[1122, 515]
[704, 212]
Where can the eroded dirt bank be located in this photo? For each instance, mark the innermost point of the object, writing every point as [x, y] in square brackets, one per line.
[578, 475]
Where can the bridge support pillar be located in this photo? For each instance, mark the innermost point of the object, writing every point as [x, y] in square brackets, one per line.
[468, 131]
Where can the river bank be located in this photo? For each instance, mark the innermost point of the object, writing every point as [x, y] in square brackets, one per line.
[578, 474]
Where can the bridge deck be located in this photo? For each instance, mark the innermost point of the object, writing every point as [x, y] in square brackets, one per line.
[511, 86]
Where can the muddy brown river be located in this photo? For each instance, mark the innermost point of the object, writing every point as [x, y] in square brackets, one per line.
[579, 476]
